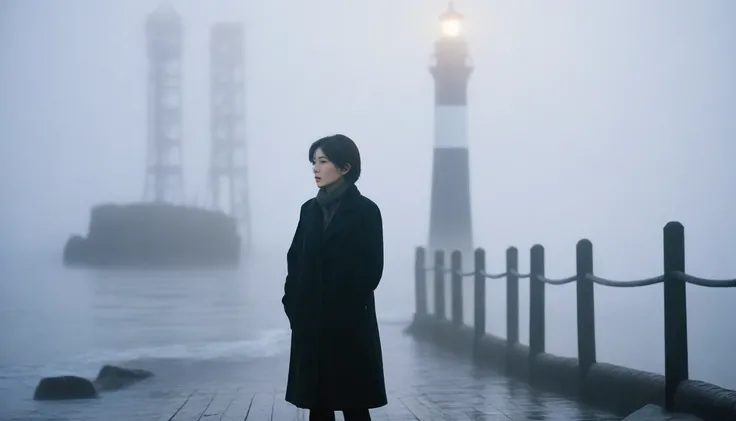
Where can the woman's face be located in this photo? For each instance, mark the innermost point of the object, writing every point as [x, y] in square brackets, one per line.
[325, 172]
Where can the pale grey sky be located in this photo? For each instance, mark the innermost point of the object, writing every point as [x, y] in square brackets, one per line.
[602, 119]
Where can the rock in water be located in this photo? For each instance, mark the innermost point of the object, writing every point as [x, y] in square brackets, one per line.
[156, 235]
[111, 377]
[64, 387]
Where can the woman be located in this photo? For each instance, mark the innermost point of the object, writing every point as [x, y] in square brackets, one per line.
[335, 262]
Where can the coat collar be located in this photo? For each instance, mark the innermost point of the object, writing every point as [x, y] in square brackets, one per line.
[348, 204]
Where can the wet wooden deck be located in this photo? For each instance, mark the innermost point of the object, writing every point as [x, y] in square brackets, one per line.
[240, 405]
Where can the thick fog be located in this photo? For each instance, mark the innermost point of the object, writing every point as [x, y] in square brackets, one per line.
[600, 120]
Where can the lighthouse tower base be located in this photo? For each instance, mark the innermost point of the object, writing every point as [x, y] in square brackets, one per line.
[450, 226]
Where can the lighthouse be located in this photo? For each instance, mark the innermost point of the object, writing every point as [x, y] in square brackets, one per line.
[450, 226]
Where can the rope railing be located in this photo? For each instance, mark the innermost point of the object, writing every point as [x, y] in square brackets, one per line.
[550, 281]
[624, 284]
[674, 279]
[595, 279]
[492, 275]
[703, 282]
[690, 279]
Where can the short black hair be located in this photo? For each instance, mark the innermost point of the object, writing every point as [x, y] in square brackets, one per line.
[340, 150]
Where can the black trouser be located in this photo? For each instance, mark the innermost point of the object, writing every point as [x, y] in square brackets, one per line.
[349, 415]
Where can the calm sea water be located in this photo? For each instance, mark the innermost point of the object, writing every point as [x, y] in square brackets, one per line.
[188, 327]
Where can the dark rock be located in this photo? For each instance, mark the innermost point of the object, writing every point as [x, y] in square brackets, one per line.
[156, 235]
[64, 387]
[112, 378]
[75, 249]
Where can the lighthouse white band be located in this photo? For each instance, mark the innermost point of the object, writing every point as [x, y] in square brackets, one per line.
[450, 126]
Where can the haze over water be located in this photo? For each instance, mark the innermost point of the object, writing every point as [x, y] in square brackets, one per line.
[601, 120]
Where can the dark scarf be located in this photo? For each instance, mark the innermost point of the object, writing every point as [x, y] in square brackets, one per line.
[330, 200]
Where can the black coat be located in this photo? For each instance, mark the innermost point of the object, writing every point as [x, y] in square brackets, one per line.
[336, 360]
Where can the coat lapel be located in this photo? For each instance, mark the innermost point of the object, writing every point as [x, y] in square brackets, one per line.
[313, 233]
[342, 213]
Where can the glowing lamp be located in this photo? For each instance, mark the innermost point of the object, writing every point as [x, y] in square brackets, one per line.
[451, 23]
[451, 27]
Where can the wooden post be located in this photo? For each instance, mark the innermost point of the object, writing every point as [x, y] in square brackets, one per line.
[439, 284]
[512, 305]
[420, 282]
[479, 300]
[675, 312]
[586, 308]
[456, 263]
[512, 296]
[536, 306]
